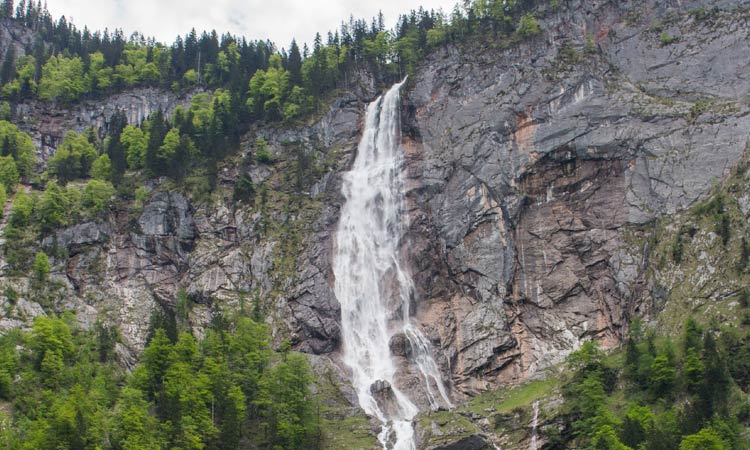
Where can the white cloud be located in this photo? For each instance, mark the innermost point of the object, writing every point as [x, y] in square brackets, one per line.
[278, 20]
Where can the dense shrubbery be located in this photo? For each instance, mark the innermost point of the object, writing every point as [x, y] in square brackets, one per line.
[679, 398]
[67, 391]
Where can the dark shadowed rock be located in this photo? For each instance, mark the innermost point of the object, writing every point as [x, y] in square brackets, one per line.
[400, 345]
[468, 443]
[385, 397]
[80, 235]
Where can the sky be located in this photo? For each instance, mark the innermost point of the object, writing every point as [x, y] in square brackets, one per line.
[278, 20]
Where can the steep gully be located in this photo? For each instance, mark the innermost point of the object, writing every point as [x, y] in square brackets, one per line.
[371, 284]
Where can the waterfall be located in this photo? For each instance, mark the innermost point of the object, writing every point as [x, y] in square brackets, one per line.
[373, 288]
[534, 424]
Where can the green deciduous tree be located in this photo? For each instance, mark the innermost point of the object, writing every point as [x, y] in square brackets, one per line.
[8, 173]
[605, 438]
[21, 210]
[135, 142]
[100, 76]
[62, 79]
[51, 335]
[101, 168]
[268, 90]
[97, 196]
[52, 207]
[18, 145]
[134, 427]
[41, 267]
[73, 158]
[169, 148]
[705, 439]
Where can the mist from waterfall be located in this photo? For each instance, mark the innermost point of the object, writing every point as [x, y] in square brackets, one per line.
[373, 288]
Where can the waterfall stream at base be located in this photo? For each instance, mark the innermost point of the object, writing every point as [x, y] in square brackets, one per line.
[534, 445]
[373, 288]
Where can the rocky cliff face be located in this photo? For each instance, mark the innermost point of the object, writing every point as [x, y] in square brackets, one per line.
[47, 124]
[536, 170]
[222, 254]
[531, 166]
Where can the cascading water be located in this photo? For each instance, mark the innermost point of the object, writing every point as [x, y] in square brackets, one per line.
[534, 445]
[373, 289]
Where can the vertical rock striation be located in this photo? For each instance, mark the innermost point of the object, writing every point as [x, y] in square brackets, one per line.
[530, 164]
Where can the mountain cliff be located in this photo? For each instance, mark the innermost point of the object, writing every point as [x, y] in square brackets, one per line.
[547, 178]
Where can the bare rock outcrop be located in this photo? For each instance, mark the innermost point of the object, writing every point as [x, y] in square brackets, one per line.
[529, 166]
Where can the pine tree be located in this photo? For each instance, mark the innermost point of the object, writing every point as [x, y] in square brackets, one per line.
[294, 65]
[115, 148]
[158, 131]
[716, 382]
[8, 69]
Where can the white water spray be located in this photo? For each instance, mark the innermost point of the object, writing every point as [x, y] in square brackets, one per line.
[373, 289]
[534, 424]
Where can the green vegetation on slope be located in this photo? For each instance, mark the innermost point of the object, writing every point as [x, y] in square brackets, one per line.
[660, 396]
[63, 388]
[242, 82]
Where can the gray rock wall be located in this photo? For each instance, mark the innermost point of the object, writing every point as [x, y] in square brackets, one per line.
[47, 123]
[527, 165]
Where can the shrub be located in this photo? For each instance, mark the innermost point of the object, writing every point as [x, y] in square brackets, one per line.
[141, 195]
[97, 196]
[261, 152]
[41, 267]
[101, 168]
[677, 249]
[244, 190]
[9, 176]
[20, 211]
[3, 199]
[745, 297]
[666, 39]
[528, 26]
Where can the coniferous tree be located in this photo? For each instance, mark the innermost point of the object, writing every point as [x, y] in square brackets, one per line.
[8, 69]
[294, 64]
[157, 132]
[115, 148]
[716, 382]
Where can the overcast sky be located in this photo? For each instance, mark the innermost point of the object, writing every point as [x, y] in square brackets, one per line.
[278, 20]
